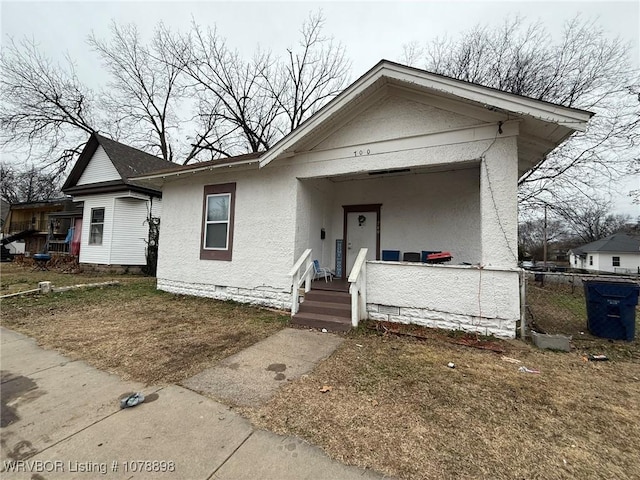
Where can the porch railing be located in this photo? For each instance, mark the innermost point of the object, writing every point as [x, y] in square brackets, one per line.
[302, 271]
[15, 227]
[358, 288]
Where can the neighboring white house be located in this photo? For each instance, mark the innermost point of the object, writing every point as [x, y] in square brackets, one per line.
[114, 227]
[401, 160]
[618, 253]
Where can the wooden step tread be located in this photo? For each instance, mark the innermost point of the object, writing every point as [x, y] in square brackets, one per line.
[327, 296]
[339, 309]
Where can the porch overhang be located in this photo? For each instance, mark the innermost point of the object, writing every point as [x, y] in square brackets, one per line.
[543, 125]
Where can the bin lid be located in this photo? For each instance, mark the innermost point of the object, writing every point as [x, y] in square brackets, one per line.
[613, 280]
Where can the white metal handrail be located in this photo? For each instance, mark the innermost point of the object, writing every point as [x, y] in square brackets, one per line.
[299, 276]
[358, 288]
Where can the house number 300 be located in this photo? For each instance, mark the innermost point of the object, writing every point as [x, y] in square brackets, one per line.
[358, 153]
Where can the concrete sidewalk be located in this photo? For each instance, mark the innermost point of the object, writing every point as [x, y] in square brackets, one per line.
[61, 419]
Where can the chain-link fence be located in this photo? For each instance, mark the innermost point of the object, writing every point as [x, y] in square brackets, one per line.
[555, 304]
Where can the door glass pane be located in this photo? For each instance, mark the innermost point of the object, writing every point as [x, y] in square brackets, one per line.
[218, 208]
[216, 236]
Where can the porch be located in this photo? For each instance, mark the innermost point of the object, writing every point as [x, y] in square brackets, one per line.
[475, 299]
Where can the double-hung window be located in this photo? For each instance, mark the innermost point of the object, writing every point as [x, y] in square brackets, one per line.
[96, 228]
[217, 223]
[615, 261]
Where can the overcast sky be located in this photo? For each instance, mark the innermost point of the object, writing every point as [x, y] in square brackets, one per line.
[369, 30]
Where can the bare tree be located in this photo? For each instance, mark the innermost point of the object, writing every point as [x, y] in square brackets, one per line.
[585, 69]
[144, 89]
[590, 219]
[43, 106]
[310, 76]
[241, 105]
[532, 233]
[236, 114]
[28, 184]
[249, 105]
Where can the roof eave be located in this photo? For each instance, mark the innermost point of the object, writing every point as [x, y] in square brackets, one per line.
[573, 119]
[159, 177]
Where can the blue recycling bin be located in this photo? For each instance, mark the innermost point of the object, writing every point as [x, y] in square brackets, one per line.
[611, 308]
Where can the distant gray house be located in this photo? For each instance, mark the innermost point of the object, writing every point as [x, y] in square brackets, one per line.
[113, 229]
[618, 253]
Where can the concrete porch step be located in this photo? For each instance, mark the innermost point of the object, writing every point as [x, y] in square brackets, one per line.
[319, 321]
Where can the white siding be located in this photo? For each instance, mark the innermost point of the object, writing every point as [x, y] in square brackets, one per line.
[603, 262]
[315, 210]
[98, 254]
[456, 202]
[99, 169]
[130, 231]
[124, 229]
[475, 217]
[156, 207]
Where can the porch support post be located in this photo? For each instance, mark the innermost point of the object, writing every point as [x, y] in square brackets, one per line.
[499, 203]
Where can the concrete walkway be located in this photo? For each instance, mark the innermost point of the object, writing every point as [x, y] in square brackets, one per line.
[252, 376]
[61, 419]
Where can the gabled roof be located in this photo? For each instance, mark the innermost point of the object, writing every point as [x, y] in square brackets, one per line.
[128, 162]
[544, 127]
[540, 113]
[617, 243]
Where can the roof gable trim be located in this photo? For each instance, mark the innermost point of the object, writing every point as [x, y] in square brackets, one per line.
[493, 100]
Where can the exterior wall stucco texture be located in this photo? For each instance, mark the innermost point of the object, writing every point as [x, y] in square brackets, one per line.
[451, 297]
[434, 211]
[499, 203]
[263, 240]
[280, 210]
[395, 117]
[266, 297]
[315, 211]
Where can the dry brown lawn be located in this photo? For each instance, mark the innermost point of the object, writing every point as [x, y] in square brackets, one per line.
[395, 406]
[132, 329]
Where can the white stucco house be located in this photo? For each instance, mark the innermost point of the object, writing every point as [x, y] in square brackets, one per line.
[618, 253]
[113, 229]
[402, 160]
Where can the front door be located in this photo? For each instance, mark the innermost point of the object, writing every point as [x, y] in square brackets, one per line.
[361, 230]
